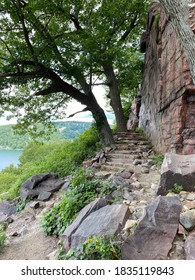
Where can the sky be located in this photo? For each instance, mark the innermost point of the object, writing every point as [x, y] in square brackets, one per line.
[75, 106]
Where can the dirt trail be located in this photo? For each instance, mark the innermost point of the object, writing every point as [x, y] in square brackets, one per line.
[26, 239]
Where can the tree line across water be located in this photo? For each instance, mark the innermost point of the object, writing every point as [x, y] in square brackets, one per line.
[9, 139]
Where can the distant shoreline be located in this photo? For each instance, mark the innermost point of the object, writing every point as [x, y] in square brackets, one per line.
[9, 149]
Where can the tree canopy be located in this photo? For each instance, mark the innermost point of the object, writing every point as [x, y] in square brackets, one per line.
[53, 52]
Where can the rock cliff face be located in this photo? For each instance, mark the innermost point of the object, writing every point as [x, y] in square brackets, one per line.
[167, 113]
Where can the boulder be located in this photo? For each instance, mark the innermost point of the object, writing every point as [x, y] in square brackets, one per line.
[66, 185]
[6, 210]
[153, 237]
[120, 181]
[86, 211]
[44, 195]
[106, 221]
[40, 183]
[187, 219]
[125, 175]
[177, 169]
[189, 246]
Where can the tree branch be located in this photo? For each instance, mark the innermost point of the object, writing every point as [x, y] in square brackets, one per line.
[129, 29]
[74, 19]
[74, 69]
[19, 7]
[51, 89]
[84, 110]
[7, 47]
[101, 84]
[21, 74]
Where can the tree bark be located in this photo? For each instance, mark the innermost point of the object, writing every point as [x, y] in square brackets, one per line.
[115, 97]
[101, 121]
[178, 14]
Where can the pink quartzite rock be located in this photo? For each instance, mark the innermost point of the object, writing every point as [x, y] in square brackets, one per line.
[177, 169]
[189, 246]
[167, 93]
[84, 213]
[107, 221]
[153, 237]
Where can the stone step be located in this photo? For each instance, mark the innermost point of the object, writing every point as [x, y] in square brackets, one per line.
[130, 138]
[111, 168]
[133, 135]
[122, 146]
[126, 134]
[133, 142]
[120, 164]
[121, 156]
[138, 149]
[125, 152]
[119, 160]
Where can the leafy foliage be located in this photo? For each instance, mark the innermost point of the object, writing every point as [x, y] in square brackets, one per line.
[2, 235]
[176, 188]
[131, 62]
[158, 159]
[21, 205]
[56, 220]
[95, 248]
[83, 190]
[61, 157]
[53, 53]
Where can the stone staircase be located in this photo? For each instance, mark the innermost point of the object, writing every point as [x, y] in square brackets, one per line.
[132, 150]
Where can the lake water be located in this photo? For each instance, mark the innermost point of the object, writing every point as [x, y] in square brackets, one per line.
[8, 157]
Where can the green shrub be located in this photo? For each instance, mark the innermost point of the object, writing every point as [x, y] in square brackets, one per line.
[139, 130]
[176, 188]
[61, 157]
[21, 205]
[2, 236]
[78, 196]
[83, 190]
[158, 159]
[95, 248]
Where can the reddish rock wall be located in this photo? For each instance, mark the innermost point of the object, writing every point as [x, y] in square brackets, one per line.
[167, 112]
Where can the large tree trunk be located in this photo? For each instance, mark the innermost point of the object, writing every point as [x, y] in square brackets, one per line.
[115, 97]
[101, 121]
[178, 13]
[88, 99]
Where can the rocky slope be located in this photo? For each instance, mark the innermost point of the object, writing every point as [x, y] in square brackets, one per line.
[167, 221]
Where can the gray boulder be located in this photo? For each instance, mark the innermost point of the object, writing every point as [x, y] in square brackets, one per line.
[189, 246]
[6, 210]
[187, 219]
[86, 211]
[40, 183]
[153, 237]
[106, 221]
[177, 169]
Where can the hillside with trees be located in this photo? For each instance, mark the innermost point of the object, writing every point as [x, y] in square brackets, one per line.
[64, 130]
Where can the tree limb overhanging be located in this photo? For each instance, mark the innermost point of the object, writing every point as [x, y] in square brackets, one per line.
[84, 110]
